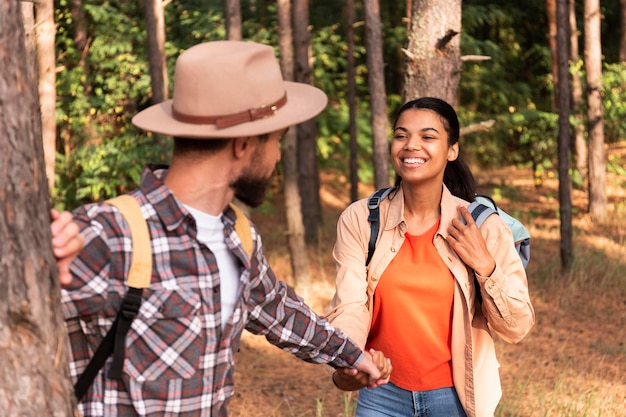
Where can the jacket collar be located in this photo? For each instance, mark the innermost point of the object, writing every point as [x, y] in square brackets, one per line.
[448, 205]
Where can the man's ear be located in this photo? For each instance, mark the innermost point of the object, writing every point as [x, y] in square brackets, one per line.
[241, 146]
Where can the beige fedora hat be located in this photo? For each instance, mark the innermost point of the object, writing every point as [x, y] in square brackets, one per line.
[228, 89]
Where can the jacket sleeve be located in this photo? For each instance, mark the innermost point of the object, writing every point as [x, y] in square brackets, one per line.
[506, 301]
[349, 307]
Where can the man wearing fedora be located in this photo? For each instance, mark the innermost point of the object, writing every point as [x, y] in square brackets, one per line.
[229, 109]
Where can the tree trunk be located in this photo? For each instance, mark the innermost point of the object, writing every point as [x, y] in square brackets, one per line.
[433, 60]
[155, 33]
[551, 15]
[595, 112]
[34, 351]
[232, 17]
[351, 68]
[293, 202]
[46, 64]
[580, 143]
[378, 97]
[308, 179]
[622, 26]
[563, 100]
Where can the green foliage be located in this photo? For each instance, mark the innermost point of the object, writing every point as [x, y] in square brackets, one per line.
[104, 80]
[104, 170]
[614, 100]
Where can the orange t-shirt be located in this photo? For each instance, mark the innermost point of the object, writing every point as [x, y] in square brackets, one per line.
[412, 317]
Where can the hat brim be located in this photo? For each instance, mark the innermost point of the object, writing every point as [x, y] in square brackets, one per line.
[303, 103]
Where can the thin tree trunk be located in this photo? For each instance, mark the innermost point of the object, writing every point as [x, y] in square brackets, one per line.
[293, 203]
[580, 143]
[595, 112]
[378, 96]
[232, 17]
[155, 31]
[34, 352]
[46, 64]
[552, 35]
[622, 29]
[563, 100]
[308, 179]
[433, 59]
[354, 168]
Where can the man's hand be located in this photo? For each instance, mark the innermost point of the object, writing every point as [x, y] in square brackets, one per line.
[372, 372]
[67, 242]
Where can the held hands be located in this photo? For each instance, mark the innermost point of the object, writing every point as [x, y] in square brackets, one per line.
[67, 242]
[467, 241]
[372, 372]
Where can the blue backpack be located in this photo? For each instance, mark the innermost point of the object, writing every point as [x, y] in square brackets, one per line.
[482, 207]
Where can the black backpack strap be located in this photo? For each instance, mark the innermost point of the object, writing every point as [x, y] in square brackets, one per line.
[128, 311]
[373, 204]
[113, 342]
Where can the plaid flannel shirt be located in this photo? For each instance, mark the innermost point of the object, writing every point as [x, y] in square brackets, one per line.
[179, 362]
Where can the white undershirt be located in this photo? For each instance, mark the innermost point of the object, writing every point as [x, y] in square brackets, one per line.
[211, 233]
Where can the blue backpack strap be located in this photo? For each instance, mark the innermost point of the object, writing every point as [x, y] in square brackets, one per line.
[373, 204]
[521, 235]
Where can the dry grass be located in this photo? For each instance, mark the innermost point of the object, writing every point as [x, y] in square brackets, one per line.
[573, 363]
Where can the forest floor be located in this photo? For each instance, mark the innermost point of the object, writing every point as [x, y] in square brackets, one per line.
[573, 362]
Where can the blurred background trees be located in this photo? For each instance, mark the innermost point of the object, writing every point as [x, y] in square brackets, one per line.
[103, 67]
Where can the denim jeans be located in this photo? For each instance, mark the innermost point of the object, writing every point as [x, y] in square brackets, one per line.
[390, 400]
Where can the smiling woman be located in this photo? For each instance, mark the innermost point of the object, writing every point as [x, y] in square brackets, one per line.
[422, 278]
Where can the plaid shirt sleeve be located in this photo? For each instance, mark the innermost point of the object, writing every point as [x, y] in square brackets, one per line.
[276, 312]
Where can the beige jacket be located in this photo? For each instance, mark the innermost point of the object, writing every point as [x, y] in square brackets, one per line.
[506, 303]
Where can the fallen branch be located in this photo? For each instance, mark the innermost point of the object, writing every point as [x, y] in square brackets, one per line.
[477, 127]
[467, 58]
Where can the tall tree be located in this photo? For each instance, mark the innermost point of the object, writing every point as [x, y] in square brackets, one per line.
[595, 111]
[293, 202]
[580, 143]
[155, 33]
[46, 64]
[351, 70]
[33, 348]
[552, 35]
[377, 95]
[232, 17]
[308, 179]
[622, 29]
[433, 58]
[563, 101]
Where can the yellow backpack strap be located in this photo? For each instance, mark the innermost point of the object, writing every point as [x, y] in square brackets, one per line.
[243, 230]
[140, 271]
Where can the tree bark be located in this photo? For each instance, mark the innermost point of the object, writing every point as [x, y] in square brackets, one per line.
[45, 30]
[564, 105]
[378, 96]
[293, 202]
[232, 17]
[433, 60]
[352, 130]
[580, 143]
[34, 352]
[308, 179]
[595, 112]
[622, 37]
[155, 33]
[552, 35]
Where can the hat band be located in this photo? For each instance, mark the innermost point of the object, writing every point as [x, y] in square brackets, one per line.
[228, 120]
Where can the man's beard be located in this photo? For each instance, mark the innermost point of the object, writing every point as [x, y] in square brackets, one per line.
[250, 189]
